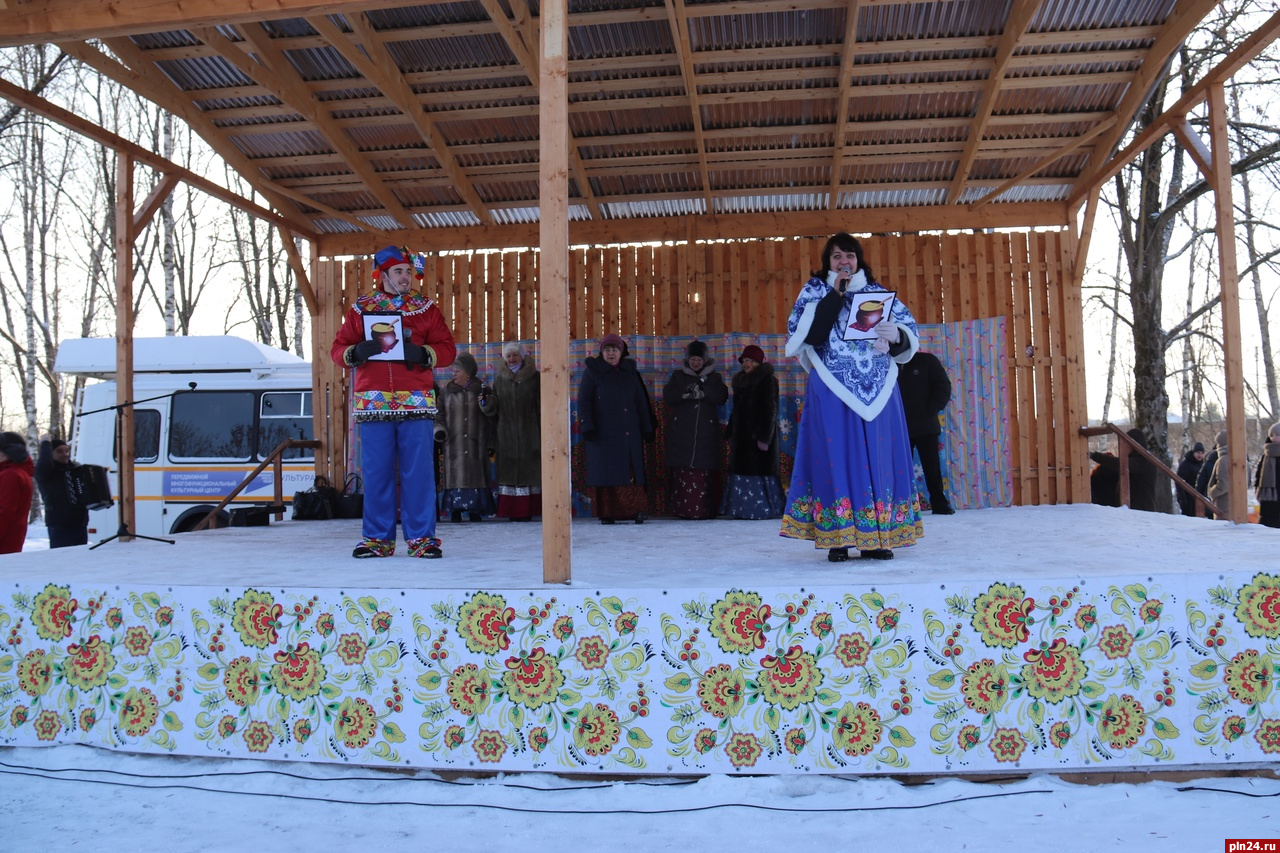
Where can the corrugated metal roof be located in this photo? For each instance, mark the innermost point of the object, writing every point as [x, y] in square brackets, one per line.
[768, 86]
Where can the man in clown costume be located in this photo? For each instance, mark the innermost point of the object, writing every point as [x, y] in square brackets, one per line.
[394, 406]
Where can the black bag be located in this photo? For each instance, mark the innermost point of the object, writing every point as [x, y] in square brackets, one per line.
[316, 503]
[251, 516]
[350, 503]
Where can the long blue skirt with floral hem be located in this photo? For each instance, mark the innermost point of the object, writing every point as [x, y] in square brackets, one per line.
[853, 484]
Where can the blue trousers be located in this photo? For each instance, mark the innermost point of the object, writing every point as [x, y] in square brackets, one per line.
[388, 446]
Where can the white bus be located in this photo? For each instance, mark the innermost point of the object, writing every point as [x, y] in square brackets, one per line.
[192, 446]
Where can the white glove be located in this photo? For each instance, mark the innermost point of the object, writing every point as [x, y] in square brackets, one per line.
[888, 332]
[880, 345]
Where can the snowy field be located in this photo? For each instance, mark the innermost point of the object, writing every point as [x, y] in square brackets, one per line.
[70, 796]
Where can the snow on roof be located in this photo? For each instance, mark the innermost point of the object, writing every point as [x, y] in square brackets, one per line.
[96, 357]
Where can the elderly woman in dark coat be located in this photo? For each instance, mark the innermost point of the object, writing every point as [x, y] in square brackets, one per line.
[465, 485]
[753, 489]
[615, 416]
[693, 395]
[516, 402]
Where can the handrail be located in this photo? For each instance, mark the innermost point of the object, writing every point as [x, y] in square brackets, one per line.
[272, 457]
[1111, 429]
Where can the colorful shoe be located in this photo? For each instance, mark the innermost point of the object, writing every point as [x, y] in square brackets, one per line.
[427, 548]
[374, 548]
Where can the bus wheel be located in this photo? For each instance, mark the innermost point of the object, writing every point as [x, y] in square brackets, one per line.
[189, 519]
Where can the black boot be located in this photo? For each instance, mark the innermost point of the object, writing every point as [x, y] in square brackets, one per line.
[943, 508]
[455, 517]
[877, 554]
[838, 555]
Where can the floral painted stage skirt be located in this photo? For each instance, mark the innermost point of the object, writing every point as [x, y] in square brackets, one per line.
[695, 492]
[853, 484]
[753, 496]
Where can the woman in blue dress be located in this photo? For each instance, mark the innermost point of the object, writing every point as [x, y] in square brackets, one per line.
[853, 484]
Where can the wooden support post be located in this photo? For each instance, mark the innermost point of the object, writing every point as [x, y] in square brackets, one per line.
[124, 341]
[1228, 282]
[553, 290]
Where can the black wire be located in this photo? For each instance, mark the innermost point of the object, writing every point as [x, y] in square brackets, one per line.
[388, 778]
[516, 809]
[1227, 791]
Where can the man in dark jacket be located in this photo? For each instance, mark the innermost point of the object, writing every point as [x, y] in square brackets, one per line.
[926, 390]
[1142, 473]
[68, 522]
[1189, 470]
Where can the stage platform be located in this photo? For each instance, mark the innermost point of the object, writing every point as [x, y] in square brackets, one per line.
[1052, 638]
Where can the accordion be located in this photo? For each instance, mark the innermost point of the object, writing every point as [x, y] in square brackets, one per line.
[90, 487]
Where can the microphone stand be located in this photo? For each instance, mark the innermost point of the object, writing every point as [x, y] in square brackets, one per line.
[122, 529]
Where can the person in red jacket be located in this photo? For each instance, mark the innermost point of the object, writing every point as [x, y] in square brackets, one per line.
[16, 487]
[394, 406]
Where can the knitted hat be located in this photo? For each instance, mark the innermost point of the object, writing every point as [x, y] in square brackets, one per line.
[1197, 448]
[1137, 436]
[752, 352]
[56, 443]
[389, 257]
[1221, 440]
[613, 340]
[1274, 429]
[512, 347]
[467, 362]
[695, 349]
[14, 446]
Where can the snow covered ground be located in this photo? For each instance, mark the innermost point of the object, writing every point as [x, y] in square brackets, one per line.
[66, 795]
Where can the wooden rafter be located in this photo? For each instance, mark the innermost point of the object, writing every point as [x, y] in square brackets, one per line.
[151, 204]
[277, 74]
[528, 60]
[142, 77]
[377, 65]
[1019, 19]
[845, 85]
[299, 272]
[1071, 146]
[677, 19]
[136, 153]
[1175, 31]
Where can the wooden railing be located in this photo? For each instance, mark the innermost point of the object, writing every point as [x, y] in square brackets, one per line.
[274, 459]
[1111, 429]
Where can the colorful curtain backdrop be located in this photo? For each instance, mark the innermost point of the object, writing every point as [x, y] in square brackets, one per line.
[975, 445]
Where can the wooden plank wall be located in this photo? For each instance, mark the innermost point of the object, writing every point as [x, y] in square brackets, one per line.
[693, 289]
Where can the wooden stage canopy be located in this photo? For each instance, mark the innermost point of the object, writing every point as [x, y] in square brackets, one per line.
[499, 124]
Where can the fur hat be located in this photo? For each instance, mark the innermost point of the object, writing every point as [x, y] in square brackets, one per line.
[1197, 448]
[510, 347]
[613, 340]
[389, 257]
[695, 349]
[752, 352]
[14, 446]
[467, 362]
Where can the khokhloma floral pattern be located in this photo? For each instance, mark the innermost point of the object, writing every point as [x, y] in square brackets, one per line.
[976, 676]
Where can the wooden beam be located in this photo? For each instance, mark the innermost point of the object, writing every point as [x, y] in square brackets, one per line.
[529, 62]
[1175, 31]
[553, 292]
[278, 74]
[845, 84]
[677, 20]
[721, 226]
[1019, 19]
[1071, 146]
[1229, 282]
[1194, 146]
[137, 153]
[300, 273]
[378, 66]
[147, 80]
[152, 202]
[124, 343]
[1075, 337]
[53, 20]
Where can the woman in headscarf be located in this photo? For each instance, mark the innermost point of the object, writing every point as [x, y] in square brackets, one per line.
[616, 418]
[853, 485]
[465, 486]
[516, 402]
[694, 394]
[753, 489]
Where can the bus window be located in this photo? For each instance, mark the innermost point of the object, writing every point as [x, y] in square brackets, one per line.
[284, 414]
[146, 437]
[215, 425]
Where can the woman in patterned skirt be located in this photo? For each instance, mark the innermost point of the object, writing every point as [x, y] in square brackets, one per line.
[753, 489]
[694, 395]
